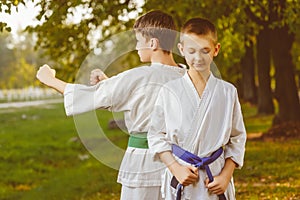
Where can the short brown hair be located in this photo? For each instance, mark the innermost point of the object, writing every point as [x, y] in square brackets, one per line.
[200, 26]
[157, 24]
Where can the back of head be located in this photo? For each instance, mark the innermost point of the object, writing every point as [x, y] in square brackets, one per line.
[200, 26]
[157, 24]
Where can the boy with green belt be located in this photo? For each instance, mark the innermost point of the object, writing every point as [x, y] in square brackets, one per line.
[133, 92]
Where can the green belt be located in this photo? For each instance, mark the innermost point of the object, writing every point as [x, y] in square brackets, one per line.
[138, 140]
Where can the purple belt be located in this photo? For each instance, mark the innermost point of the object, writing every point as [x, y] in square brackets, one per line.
[200, 163]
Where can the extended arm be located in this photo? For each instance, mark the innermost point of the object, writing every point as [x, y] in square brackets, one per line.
[47, 76]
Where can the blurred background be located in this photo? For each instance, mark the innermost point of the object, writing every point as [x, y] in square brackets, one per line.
[260, 55]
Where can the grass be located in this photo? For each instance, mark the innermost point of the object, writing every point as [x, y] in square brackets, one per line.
[255, 123]
[271, 171]
[42, 158]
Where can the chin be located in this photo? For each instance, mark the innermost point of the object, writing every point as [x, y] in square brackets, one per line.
[144, 60]
[201, 68]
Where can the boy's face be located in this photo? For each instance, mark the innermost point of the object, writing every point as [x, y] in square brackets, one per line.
[198, 51]
[143, 47]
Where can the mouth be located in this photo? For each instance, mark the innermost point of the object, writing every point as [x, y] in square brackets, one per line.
[198, 64]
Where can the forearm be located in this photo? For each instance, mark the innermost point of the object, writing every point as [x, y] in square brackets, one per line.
[168, 159]
[58, 85]
[186, 175]
[228, 168]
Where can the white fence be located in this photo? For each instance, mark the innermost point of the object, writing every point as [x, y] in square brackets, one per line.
[28, 94]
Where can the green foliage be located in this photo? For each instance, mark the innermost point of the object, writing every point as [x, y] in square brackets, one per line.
[67, 42]
[6, 55]
[19, 75]
[18, 61]
[234, 28]
[291, 15]
[296, 53]
[296, 58]
[6, 6]
[3, 26]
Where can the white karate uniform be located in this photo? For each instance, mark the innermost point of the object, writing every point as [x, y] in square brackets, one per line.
[134, 92]
[199, 125]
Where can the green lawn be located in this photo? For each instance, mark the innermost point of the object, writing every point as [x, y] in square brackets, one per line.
[271, 171]
[42, 158]
[253, 122]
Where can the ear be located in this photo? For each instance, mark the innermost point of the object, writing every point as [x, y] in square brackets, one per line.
[217, 49]
[154, 44]
[180, 48]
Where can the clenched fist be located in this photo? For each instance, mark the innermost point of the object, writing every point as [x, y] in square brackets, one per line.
[45, 74]
[96, 76]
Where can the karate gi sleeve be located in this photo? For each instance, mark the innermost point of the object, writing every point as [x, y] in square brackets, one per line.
[112, 94]
[235, 149]
[157, 139]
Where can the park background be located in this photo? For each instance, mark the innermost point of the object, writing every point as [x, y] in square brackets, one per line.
[42, 156]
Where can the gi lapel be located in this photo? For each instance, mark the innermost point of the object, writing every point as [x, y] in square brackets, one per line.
[195, 133]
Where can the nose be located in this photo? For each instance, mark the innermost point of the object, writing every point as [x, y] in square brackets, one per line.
[198, 56]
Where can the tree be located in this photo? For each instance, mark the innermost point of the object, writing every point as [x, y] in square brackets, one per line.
[20, 74]
[275, 23]
[6, 6]
[6, 56]
[279, 26]
[236, 32]
[265, 100]
[225, 16]
[69, 42]
[248, 75]
[18, 61]
[263, 55]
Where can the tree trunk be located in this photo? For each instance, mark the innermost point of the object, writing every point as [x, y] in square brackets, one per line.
[265, 102]
[248, 76]
[286, 89]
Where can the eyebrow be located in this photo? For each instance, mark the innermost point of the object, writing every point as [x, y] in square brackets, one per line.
[204, 48]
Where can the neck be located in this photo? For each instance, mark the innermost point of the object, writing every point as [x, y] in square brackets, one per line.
[198, 77]
[163, 58]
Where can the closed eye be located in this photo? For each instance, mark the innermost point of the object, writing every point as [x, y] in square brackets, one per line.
[206, 50]
[191, 50]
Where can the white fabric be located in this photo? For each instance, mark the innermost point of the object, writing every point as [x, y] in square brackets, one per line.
[141, 193]
[199, 125]
[134, 92]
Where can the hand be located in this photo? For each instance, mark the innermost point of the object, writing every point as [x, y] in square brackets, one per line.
[96, 76]
[186, 175]
[45, 74]
[219, 185]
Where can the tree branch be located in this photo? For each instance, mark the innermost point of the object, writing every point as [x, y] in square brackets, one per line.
[254, 18]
